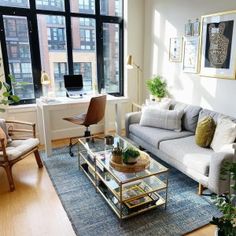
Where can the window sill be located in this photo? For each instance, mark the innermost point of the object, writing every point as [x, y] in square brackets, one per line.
[21, 108]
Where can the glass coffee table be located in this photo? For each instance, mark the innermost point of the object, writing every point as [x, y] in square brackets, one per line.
[127, 194]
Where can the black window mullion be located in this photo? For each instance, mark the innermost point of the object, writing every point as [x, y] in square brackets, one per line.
[69, 37]
[99, 45]
[4, 50]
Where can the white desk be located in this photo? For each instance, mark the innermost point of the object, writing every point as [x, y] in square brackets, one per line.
[44, 111]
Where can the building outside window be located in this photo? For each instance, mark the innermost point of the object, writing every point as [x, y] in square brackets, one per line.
[23, 46]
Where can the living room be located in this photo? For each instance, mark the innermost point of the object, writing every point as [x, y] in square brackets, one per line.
[50, 200]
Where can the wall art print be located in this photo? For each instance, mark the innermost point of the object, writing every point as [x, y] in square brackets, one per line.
[218, 45]
[175, 49]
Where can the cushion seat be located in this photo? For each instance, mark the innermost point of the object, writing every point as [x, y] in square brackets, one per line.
[189, 154]
[18, 148]
[154, 136]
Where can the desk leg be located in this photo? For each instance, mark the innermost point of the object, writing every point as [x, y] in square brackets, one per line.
[40, 124]
[118, 112]
[47, 132]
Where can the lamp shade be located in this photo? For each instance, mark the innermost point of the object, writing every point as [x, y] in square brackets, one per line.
[129, 62]
[45, 78]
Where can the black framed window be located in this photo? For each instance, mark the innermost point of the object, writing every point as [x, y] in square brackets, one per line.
[62, 37]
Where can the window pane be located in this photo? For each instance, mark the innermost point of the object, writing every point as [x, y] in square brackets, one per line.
[111, 7]
[111, 57]
[53, 5]
[53, 50]
[15, 3]
[18, 50]
[84, 50]
[83, 6]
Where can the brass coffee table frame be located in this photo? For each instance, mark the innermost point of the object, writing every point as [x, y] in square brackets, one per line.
[155, 178]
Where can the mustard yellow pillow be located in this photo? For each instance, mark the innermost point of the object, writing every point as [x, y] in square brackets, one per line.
[205, 131]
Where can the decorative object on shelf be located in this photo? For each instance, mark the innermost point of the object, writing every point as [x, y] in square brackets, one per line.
[109, 140]
[218, 45]
[130, 65]
[142, 163]
[175, 49]
[188, 28]
[227, 204]
[117, 154]
[157, 87]
[196, 27]
[45, 81]
[191, 53]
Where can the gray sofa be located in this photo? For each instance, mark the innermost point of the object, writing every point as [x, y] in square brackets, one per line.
[179, 148]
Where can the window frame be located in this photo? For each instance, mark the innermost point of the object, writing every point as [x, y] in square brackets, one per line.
[31, 14]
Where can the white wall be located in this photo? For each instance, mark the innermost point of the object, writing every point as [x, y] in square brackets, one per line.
[165, 19]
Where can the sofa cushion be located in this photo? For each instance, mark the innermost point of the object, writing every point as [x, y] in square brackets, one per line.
[154, 136]
[215, 115]
[160, 118]
[225, 134]
[205, 131]
[190, 116]
[186, 151]
[19, 147]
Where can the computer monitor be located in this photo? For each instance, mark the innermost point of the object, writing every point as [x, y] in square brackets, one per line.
[73, 82]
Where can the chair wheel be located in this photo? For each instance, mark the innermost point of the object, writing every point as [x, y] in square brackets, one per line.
[71, 154]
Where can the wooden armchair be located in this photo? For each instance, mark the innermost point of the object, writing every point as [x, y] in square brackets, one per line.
[23, 143]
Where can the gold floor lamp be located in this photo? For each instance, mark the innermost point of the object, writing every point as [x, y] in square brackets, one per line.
[130, 65]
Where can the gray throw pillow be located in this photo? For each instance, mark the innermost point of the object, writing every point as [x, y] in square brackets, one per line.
[165, 119]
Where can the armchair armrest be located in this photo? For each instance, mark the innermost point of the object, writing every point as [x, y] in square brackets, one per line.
[16, 131]
[218, 183]
[131, 118]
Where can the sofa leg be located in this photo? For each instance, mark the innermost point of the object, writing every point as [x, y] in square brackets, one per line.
[8, 170]
[200, 189]
[38, 159]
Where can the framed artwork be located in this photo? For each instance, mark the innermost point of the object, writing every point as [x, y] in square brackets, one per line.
[188, 29]
[191, 51]
[196, 28]
[175, 49]
[218, 45]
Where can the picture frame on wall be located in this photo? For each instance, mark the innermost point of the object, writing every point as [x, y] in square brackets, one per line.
[191, 54]
[218, 45]
[175, 49]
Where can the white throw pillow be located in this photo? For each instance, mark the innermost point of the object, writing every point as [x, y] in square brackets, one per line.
[225, 133]
[165, 119]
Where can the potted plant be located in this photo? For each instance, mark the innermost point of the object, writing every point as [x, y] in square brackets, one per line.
[130, 155]
[157, 87]
[117, 154]
[226, 225]
[6, 96]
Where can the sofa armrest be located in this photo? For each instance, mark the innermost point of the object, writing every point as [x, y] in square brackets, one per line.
[218, 183]
[131, 118]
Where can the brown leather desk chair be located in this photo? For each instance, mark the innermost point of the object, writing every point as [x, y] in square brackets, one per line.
[95, 113]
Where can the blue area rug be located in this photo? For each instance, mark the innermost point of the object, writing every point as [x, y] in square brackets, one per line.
[91, 215]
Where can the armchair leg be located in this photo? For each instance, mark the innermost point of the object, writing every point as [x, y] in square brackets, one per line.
[8, 170]
[38, 159]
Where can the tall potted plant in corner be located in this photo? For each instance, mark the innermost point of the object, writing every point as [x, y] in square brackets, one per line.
[157, 87]
[226, 225]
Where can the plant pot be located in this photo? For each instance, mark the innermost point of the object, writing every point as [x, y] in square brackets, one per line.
[131, 160]
[116, 158]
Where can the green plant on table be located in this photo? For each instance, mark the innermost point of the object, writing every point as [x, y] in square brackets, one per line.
[227, 204]
[157, 86]
[130, 152]
[6, 96]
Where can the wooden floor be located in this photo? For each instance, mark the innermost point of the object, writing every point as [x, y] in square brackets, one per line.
[34, 208]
